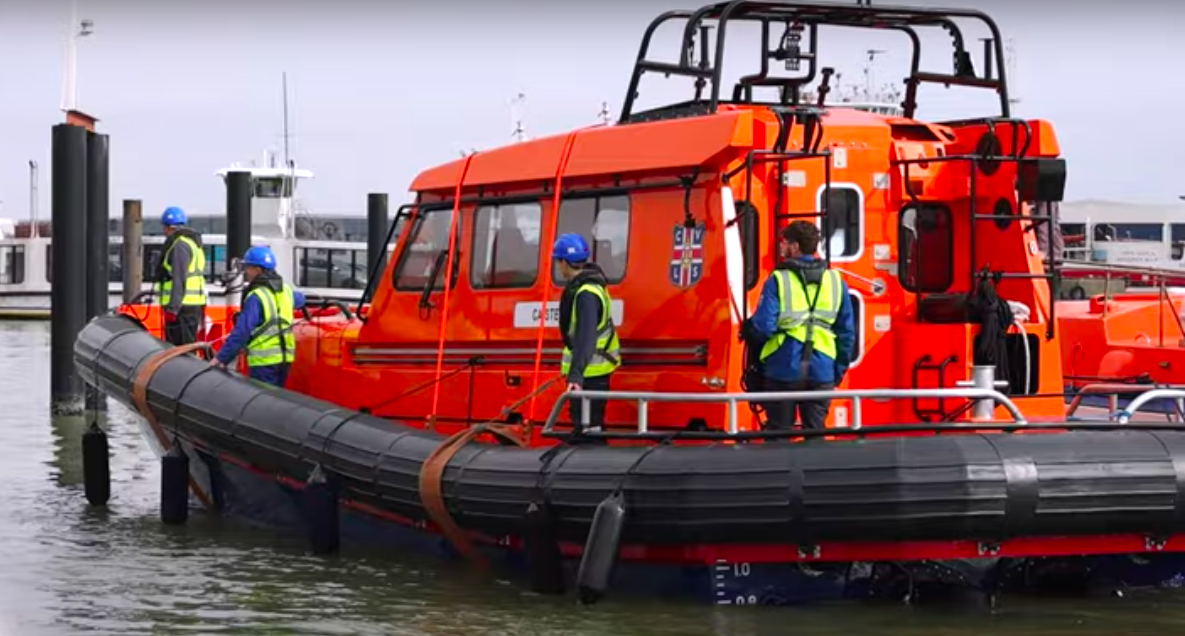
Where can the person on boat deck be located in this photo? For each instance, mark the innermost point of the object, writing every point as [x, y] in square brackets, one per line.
[264, 324]
[181, 278]
[591, 348]
[805, 321]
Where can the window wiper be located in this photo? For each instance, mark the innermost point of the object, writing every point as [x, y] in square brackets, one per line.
[431, 282]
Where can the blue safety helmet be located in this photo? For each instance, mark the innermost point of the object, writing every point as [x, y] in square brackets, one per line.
[260, 257]
[571, 248]
[173, 216]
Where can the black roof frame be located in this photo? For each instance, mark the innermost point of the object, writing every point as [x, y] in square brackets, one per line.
[810, 15]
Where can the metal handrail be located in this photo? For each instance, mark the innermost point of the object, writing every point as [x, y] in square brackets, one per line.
[1124, 416]
[1110, 389]
[644, 398]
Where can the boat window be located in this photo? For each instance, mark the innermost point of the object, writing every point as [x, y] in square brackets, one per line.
[269, 187]
[215, 262]
[1074, 241]
[926, 247]
[115, 263]
[428, 240]
[12, 264]
[605, 223]
[1177, 233]
[857, 326]
[844, 212]
[505, 245]
[1129, 232]
[331, 268]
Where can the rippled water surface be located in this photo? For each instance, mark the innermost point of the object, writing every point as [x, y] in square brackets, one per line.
[67, 569]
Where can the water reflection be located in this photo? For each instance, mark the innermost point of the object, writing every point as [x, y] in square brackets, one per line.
[67, 568]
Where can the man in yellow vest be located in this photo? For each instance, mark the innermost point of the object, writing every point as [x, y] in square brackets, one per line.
[804, 319]
[181, 279]
[591, 348]
[264, 324]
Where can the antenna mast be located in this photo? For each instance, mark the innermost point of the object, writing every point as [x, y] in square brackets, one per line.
[870, 74]
[604, 114]
[520, 132]
[284, 80]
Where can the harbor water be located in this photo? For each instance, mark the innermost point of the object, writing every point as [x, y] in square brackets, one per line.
[66, 568]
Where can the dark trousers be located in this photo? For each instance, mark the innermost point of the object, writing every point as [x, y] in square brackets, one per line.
[596, 411]
[781, 416]
[184, 330]
[275, 374]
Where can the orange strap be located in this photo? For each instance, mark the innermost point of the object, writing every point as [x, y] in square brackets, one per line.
[448, 278]
[140, 399]
[555, 213]
[432, 472]
[432, 476]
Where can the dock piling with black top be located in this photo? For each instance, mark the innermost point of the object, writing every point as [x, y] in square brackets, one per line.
[376, 231]
[68, 266]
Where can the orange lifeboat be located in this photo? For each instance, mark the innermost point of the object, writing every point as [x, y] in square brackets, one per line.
[434, 417]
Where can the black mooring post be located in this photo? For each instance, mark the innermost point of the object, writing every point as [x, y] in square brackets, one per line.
[98, 151]
[238, 229]
[68, 272]
[238, 214]
[96, 223]
[376, 231]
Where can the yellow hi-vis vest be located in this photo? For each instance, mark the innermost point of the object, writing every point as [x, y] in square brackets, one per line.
[272, 341]
[607, 357]
[195, 276]
[795, 315]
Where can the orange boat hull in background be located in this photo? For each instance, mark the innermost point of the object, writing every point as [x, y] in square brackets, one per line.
[1134, 337]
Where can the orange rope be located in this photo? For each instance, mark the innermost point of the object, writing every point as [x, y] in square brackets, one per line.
[448, 277]
[143, 375]
[432, 473]
[555, 213]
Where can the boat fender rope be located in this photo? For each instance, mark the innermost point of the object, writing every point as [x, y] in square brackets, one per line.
[143, 376]
[629, 472]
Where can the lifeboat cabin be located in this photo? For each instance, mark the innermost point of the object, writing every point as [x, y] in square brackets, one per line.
[931, 455]
[682, 206]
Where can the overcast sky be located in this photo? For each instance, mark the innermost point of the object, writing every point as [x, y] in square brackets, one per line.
[380, 89]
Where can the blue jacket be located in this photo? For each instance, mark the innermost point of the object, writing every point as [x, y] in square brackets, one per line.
[783, 364]
[250, 317]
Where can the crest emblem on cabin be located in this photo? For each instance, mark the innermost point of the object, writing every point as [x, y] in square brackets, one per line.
[687, 255]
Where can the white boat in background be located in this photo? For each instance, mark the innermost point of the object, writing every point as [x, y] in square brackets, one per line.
[330, 269]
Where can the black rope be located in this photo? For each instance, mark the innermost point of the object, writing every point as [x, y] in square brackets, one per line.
[472, 363]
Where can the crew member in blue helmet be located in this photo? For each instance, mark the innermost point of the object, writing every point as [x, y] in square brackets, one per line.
[181, 279]
[264, 324]
[591, 348]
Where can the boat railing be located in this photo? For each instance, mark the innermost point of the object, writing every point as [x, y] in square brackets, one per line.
[643, 400]
[1176, 395]
[1114, 389]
